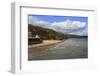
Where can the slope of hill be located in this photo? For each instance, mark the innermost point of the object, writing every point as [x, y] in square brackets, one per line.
[47, 34]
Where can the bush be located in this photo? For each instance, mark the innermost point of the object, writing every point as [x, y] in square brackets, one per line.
[34, 41]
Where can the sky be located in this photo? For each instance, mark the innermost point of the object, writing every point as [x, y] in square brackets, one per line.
[52, 19]
[66, 24]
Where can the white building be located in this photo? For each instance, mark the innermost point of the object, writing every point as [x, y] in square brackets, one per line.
[37, 36]
[30, 35]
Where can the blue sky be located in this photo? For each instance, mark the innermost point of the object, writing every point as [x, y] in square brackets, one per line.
[52, 19]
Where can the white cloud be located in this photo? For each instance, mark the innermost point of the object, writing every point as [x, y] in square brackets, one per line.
[36, 22]
[67, 26]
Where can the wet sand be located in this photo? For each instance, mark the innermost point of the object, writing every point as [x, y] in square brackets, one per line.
[69, 49]
[45, 43]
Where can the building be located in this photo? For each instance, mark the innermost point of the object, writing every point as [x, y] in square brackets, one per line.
[30, 36]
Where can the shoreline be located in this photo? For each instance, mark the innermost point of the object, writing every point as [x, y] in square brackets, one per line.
[46, 43]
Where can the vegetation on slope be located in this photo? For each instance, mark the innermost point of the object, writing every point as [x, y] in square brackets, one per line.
[47, 34]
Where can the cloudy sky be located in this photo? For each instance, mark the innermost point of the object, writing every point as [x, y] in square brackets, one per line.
[66, 24]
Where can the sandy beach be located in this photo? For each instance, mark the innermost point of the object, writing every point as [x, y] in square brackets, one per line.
[45, 43]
